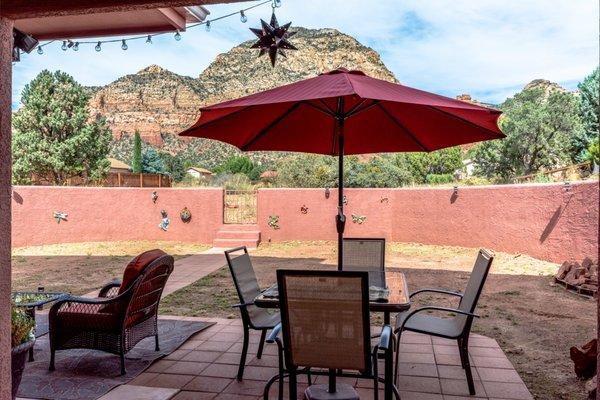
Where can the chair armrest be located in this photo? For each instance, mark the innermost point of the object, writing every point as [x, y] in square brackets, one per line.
[385, 337]
[441, 291]
[242, 305]
[274, 334]
[105, 291]
[435, 308]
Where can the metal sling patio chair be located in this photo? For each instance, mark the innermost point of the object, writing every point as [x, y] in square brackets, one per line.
[366, 254]
[247, 289]
[123, 313]
[325, 327]
[457, 327]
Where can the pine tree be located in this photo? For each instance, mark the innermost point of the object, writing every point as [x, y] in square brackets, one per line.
[588, 110]
[136, 159]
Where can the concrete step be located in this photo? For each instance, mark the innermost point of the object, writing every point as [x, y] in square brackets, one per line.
[238, 235]
[230, 243]
[239, 227]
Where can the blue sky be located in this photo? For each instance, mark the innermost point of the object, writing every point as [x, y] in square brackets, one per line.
[487, 48]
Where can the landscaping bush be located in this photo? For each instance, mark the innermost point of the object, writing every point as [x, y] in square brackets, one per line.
[439, 179]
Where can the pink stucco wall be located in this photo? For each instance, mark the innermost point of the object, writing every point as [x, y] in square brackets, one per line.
[100, 214]
[544, 221]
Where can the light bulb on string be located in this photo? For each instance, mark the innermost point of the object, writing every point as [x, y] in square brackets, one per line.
[124, 45]
[149, 39]
[76, 46]
[40, 50]
[276, 3]
[64, 45]
[243, 17]
[177, 36]
[98, 46]
[207, 26]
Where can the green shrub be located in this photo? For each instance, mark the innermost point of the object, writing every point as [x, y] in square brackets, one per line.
[22, 326]
[439, 179]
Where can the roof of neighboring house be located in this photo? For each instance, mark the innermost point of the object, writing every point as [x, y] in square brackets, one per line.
[118, 164]
[269, 174]
[200, 170]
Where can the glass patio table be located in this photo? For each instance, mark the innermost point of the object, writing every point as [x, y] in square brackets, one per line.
[31, 301]
[394, 298]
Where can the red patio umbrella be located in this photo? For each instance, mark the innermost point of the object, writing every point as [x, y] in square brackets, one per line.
[345, 112]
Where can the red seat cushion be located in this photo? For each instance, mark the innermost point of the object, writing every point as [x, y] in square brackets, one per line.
[136, 266]
[83, 317]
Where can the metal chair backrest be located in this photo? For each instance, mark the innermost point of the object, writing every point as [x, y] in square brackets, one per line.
[474, 287]
[325, 319]
[366, 255]
[147, 290]
[245, 281]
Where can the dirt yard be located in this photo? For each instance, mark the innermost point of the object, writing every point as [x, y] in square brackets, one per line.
[79, 268]
[534, 322]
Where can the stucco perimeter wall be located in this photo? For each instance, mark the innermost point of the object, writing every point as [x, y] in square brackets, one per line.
[106, 214]
[545, 221]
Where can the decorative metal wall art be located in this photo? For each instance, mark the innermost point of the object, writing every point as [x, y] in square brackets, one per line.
[358, 219]
[60, 216]
[304, 209]
[165, 221]
[273, 221]
[273, 39]
[154, 196]
[186, 215]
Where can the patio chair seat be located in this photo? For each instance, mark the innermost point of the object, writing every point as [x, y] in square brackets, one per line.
[265, 320]
[431, 325]
[88, 318]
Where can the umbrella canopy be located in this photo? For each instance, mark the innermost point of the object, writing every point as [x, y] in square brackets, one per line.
[345, 112]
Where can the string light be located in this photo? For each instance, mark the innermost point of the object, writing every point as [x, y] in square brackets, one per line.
[277, 3]
[67, 44]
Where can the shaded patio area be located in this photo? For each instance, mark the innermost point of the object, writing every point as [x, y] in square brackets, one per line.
[205, 367]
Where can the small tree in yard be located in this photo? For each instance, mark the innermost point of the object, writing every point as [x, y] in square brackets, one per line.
[539, 131]
[152, 163]
[589, 107]
[54, 137]
[136, 159]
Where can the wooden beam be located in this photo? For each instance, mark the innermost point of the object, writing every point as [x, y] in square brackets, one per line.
[173, 17]
[20, 9]
[6, 40]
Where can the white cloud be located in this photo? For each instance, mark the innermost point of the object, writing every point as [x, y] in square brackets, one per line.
[487, 48]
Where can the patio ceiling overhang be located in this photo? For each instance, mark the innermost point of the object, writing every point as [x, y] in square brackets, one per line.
[48, 19]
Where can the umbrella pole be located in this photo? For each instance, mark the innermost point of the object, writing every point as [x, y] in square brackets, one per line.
[340, 218]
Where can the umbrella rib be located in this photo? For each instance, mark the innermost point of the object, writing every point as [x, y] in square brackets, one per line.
[402, 127]
[326, 106]
[270, 126]
[465, 121]
[352, 113]
[318, 108]
[193, 127]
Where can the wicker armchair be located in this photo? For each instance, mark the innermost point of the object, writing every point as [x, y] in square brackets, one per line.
[121, 316]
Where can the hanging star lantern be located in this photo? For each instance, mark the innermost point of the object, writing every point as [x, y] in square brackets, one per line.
[273, 39]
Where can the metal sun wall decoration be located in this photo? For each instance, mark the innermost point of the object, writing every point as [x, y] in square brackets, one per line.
[273, 39]
[186, 215]
[304, 209]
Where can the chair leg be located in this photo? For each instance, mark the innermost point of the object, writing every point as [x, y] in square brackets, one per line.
[463, 347]
[397, 357]
[122, 356]
[293, 385]
[261, 345]
[240, 374]
[51, 367]
[156, 346]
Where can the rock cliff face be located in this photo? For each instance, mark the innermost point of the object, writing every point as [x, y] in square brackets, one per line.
[160, 103]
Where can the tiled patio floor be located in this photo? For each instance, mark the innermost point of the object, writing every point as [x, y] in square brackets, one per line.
[205, 366]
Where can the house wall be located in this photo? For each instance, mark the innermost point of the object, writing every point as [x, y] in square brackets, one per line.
[103, 214]
[546, 221]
